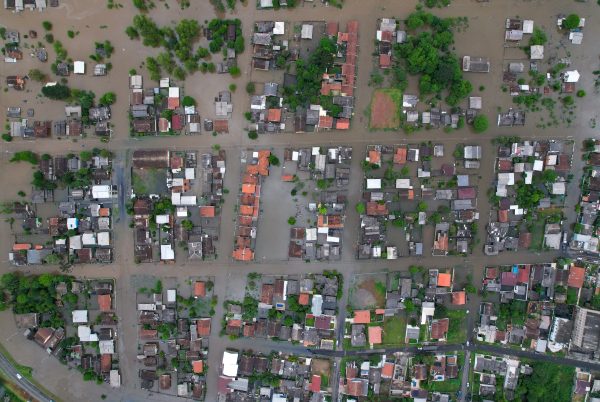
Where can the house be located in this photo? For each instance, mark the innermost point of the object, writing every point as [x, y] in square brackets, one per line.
[475, 64]
[439, 328]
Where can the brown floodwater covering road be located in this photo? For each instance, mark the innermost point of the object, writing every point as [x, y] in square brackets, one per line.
[94, 22]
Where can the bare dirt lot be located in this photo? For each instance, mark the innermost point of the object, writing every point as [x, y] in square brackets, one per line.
[368, 291]
[385, 109]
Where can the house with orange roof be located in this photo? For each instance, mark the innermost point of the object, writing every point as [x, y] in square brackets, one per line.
[459, 298]
[342, 124]
[362, 317]
[576, 277]
[243, 254]
[374, 157]
[207, 211]
[375, 335]
[274, 115]
[325, 122]
[199, 289]
[444, 279]
[198, 366]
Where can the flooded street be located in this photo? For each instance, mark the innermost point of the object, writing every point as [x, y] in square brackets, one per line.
[94, 22]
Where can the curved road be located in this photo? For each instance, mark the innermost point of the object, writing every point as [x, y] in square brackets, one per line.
[11, 373]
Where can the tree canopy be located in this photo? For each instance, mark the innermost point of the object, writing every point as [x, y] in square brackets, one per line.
[428, 54]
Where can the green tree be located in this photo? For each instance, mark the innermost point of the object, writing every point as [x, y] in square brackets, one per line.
[57, 92]
[571, 22]
[235, 71]
[188, 101]
[292, 220]
[108, 99]
[250, 88]
[47, 25]
[25, 156]
[480, 123]
[273, 160]
[253, 135]
[360, 208]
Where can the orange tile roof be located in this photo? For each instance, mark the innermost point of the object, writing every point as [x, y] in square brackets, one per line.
[203, 327]
[459, 298]
[400, 156]
[444, 280]
[342, 124]
[198, 366]
[274, 115]
[362, 317]
[199, 289]
[374, 156]
[441, 244]
[576, 277]
[264, 154]
[248, 188]
[104, 212]
[252, 169]
[287, 177]
[380, 311]
[234, 323]
[303, 299]
[246, 210]
[207, 211]
[173, 103]
[375, 335]
[388, 370]
[243, 254]
[104, 302]
[315, 383]
[21, 246]
[105, 362]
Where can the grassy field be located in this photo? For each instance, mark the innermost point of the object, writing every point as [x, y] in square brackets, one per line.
[447, 386]
[457, 332]
[394, 330]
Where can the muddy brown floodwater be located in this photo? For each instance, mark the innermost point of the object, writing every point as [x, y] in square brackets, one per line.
[93, 21]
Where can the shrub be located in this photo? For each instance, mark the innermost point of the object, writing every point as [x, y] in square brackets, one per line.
[232, 87]
[188, 101]
[47, 25]
[292, 220]
[252, 135]
[250, 88]
[7, 137]
[108, 99]
[480, 123]
[235, 71]
[580, 93]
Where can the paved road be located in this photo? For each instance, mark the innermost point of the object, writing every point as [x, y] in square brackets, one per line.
[11, 372]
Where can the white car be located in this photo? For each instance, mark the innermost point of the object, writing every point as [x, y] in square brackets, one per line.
[19, 376]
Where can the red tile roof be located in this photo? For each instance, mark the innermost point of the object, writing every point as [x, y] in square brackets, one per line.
[459, 298]
[400, 156]
[503, 215]
[315, 383]
[274, 115]
[303, 299]
[203, 326]
[362, 317]
[342, 124]
[243, 254]
[375, 335]
[576, 277]
[385, 60]
[173, 103]
[523, 274]
[444, 280]
[199, 289]
[198, 366]
[207, 211]
[326, 122]
[177, 122]
[388, 370]
[104, 302]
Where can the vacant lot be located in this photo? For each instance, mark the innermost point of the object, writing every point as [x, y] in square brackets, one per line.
[385, 109]
[368, 291]
[394, 330]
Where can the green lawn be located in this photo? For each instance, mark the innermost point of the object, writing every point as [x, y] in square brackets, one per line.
[448, 386]
[457, 332]
[394, 330]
